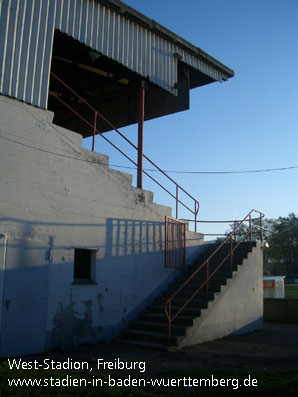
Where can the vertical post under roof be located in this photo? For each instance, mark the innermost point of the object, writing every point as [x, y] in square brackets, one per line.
[141, 112]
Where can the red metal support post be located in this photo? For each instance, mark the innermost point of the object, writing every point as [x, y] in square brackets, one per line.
[235, 232]
[250, 231]
[207, 279]
[92, 124]
[177, 192]
[184, 245]
[231, 253]
[94, 131]
[196, 215]
[141, 112]
[169, 322]
[166, 241]
[261, 228]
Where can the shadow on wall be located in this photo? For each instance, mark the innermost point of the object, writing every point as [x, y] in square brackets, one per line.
[37, 272]
[121, 236]
[24, 295]
[128, 237]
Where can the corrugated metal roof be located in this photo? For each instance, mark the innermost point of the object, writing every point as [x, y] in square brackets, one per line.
[108, 27]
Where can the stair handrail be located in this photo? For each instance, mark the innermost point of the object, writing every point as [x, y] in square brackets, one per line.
[97, 132]
[168, 303]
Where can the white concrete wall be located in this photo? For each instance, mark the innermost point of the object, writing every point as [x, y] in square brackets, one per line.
[237, 308]
[53, 193]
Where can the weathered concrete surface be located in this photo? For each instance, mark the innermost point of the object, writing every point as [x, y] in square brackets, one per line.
[63, 197]
[237, 308]
[281, 310]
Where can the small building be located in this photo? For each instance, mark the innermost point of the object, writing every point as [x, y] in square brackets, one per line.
[274, 286]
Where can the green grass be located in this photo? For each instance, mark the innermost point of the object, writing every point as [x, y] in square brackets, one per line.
[291, 291]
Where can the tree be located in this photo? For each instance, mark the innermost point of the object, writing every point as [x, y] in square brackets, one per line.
[283, 246]
[242, 231]
[281, 257]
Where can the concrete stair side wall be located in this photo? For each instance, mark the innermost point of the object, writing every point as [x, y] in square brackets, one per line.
[55, 197]
[237, 308]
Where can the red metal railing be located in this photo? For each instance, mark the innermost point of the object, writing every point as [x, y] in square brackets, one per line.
[229, 239]
[93, 125]
[175, 249]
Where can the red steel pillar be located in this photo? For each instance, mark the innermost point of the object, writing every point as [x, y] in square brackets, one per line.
[141, 112]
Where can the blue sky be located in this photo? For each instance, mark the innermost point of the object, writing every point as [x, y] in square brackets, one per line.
[247, 123]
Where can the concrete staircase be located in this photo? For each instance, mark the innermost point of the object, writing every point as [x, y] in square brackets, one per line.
[151, 327]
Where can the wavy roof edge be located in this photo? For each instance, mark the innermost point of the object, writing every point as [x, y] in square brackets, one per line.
[151, 24]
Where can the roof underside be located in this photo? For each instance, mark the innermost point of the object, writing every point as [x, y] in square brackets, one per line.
[119, 32]
[103, 49]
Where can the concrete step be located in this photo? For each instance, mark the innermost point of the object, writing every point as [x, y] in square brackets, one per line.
[196, 282]
[238, 256]
[224, 268]
[196, 303]
[189, 289]
[187, 311]
[202, 274]
[148, 336]
[186, 294]
[151, 328]
[158, 346]
[158, 327]
[160, 318]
